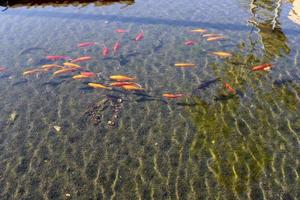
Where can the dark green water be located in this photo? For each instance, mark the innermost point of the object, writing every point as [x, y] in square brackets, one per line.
[208, 146]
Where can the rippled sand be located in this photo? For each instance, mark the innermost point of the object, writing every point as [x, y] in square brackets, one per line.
[244, 147]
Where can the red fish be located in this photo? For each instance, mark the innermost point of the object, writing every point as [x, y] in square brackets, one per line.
[121, 31]
[105, 51]
[2, 69]
[86, 44]
[229, 88]
[116, 47]
[88, 74]
[81, 59]
[190, 42]
[121, 84]
[173, 96]
[57, 57]
[264, 67]
[140, 36]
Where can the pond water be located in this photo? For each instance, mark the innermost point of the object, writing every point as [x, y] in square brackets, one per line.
[61, 139]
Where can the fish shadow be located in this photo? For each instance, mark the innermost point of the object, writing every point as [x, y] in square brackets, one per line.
[53, 83]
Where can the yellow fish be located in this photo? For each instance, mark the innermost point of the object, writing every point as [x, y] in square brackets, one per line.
[80, 76]
[131, 87]
[51, 66]
[215, 38]
[121, 78]
[199, 30]
[222, 54]
[98, 86]
[63, 71]
[185, 65]
[33, 71]
[211, 35]
[72, 65]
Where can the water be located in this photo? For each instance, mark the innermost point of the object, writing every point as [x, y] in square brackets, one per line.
[210, 145]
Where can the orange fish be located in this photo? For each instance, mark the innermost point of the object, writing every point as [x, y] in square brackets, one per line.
[210, 39]
[116, 47]
[71, 65]
[88, 74]
[221, 54]
[121, 31]
[33, 71]
[173, 96]
[64, 71]
[98, 86]
[140, 36]
[185, 65]
[2, 69]
[121, 78]
[131, 87]
[80, 76]
[82, 59]
[86, 44]
[51, 66]
[264, 67]
[199, 30]
[120, 84]
[229, 88]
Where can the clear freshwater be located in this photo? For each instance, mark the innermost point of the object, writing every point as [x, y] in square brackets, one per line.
[210, 144]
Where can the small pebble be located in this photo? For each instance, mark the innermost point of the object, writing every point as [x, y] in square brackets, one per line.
[111, 123]
[156, 143]
[68, 195]
[57, 128]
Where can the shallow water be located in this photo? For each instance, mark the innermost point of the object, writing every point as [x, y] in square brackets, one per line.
[209, 145]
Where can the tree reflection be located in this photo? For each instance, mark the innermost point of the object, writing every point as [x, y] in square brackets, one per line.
[238, 136]
[265, 15]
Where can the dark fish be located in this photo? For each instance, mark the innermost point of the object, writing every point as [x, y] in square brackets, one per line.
[86, 89]
[29, 50]
[119, 91]
[115, 97]
[43, 61]
[186, 104]
[20, 82]
[123, 61]
[283, 81]
[65, 77]
[5, 9]
[157, 47]
[240, 93]
[141, 93]
[110, 58]
[5, 76]
[145, 99]
[133, 54]
[224, 97]
[53, 83]
[206, 84]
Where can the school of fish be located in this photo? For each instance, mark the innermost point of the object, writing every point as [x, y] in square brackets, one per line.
[72, 66]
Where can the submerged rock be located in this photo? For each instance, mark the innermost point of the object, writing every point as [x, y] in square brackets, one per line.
[13, 116]
[107, 109]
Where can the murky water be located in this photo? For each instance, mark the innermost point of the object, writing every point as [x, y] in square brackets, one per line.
[208, 145]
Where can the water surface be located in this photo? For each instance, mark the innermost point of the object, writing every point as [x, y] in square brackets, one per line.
[210, 145]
